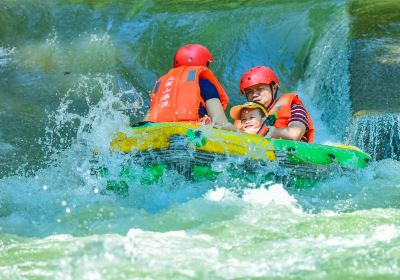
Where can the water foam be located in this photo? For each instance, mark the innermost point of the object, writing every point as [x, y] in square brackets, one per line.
[5, 56]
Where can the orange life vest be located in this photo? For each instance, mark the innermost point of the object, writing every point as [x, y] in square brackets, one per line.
[176, 95]
[282, 110]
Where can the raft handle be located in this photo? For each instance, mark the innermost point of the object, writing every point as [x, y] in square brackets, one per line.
[332, 157]
[139, 124]
[291, 150]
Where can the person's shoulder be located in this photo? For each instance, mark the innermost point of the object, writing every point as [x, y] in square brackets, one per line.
[293, 98]
[206, 82]
[206, 85]
[290, 95]
[297, 106]
[299, 114]
[207, 89]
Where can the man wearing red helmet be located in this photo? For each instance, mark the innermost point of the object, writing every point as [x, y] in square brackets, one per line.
[287, 117]
[189, 92]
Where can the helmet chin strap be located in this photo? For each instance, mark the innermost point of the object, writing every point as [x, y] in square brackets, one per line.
[274, 94]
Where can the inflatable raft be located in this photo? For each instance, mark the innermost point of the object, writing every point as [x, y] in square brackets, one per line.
[202, 153]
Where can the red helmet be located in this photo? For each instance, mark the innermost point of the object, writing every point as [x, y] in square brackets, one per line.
[258, 75]
[192, 55]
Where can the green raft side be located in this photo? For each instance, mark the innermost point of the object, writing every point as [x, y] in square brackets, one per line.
[304, 153]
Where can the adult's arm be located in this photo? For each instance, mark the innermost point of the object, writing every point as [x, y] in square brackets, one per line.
[294, 131]
[146, 118]
[217, 114]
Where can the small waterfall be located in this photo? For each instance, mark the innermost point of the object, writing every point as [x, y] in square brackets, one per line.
[326, 80]
[375, 75]
[378, 135]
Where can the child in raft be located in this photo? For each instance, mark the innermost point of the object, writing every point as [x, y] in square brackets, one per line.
[249, 117]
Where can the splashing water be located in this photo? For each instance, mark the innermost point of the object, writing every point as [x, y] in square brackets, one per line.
[5, 56]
